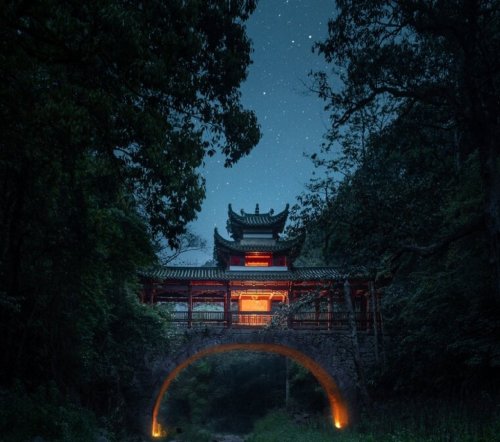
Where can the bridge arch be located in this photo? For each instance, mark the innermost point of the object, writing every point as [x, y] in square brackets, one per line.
[338, 407]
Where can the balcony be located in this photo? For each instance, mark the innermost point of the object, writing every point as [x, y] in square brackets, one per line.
[299, 321]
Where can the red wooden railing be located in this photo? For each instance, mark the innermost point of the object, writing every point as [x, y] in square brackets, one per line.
[301, 320]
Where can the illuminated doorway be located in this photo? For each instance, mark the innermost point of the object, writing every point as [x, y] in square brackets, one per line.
[258, 308]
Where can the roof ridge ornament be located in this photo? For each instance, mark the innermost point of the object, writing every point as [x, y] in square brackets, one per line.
[257, 209]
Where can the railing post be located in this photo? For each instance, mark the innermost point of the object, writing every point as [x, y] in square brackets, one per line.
[190, 307]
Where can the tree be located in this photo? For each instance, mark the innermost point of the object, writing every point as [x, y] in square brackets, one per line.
[187, 242]
[394, 55]
[149, 89]
[402, 185]
[107, 111]
[437, 302]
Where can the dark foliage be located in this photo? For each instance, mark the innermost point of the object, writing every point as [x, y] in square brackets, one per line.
[407, 181]
[229, 392]
[107, 110]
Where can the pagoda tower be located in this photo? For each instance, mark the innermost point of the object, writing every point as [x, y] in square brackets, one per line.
[256, 244]
[254, 276]
[256, 247]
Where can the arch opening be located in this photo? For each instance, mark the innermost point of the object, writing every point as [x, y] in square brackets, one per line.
[338, 409]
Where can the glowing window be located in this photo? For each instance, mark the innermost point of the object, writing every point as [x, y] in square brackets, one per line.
[258, 260]
[254, 305]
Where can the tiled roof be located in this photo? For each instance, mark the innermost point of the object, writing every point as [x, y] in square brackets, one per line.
[184, 273]
[223, 248]
[216, 273]
[278, 246]
[237, 222]
[258, 219]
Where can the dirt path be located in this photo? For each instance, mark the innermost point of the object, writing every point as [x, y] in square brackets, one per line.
[225, 438]
[228, 438]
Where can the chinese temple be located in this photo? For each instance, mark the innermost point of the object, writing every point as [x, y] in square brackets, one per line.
[255, 278]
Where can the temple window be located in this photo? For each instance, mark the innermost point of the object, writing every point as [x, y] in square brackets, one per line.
[258, 259]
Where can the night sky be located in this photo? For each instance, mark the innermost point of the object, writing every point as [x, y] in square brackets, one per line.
[292, 118]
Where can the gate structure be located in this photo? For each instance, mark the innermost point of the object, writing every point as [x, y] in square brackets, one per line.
[326, 354]
[324, 318]
[255, 277]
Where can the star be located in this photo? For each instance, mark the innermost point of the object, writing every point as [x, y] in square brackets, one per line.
[292, 120]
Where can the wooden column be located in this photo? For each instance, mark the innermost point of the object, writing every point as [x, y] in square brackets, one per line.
[190, 307]
[290, 301]
[152, 294]
[227, 307]
[330, 309]
[316, 310]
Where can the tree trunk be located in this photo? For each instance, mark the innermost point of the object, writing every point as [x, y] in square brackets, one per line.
[491, 179]
[287, 382]
[375, 320]
[493, 221]
[353, 333]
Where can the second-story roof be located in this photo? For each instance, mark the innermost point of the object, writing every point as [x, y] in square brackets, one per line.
[224, 248]
[237, 223]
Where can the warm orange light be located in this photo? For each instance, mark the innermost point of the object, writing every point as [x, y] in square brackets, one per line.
[338, 409]
[258, 260]
[254, 305]
[158, 431]
[255, 263]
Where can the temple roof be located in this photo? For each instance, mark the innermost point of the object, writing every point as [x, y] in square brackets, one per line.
[216, 273]
[258, 221]
[290, 248]
[274, 246]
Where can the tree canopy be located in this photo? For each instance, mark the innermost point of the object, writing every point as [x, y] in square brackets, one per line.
[107, 112]
[431, 62]
[407, 178]
[146, 89]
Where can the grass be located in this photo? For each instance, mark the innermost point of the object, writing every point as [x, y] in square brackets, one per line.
[395, 422]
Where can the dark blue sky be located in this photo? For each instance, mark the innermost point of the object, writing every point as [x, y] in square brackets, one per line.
[292, 118]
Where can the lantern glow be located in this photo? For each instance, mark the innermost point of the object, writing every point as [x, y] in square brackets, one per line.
[258, 260]
[338, 409]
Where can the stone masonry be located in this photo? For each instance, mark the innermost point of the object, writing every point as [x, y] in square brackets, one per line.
[330, 349]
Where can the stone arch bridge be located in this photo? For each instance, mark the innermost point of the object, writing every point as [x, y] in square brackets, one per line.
[327, 354]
